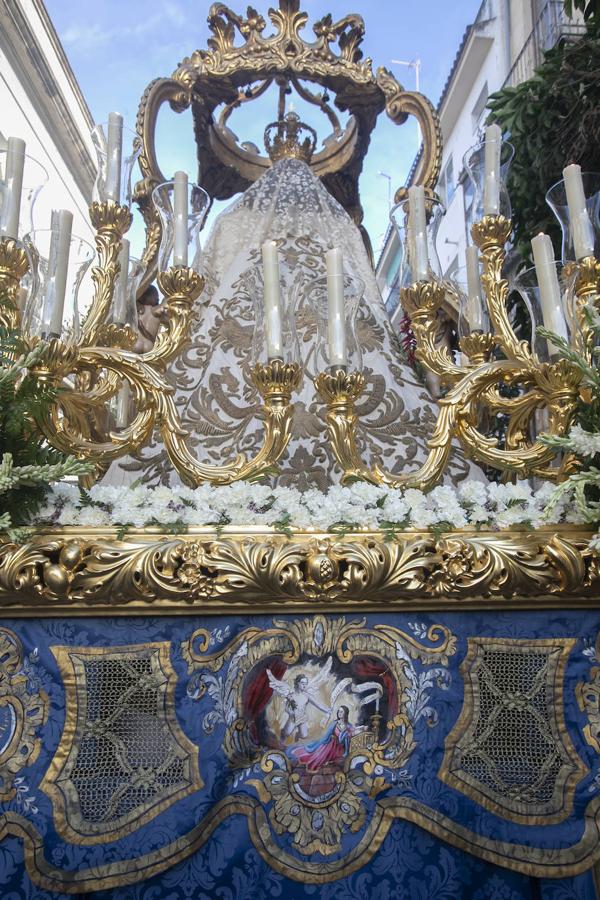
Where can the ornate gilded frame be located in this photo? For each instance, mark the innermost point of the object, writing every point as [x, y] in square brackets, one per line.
[90, 571]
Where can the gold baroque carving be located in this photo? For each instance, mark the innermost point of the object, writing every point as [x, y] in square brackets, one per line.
[76, 570]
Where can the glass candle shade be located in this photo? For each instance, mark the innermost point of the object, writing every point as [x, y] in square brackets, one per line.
[124, 306]
[35, 178]
[399, 216]
[253, 286]
[198, 204]
[113, 181]
[559, 318]
[50, 312]
[312, 302]
[474, 162]
[556, 198]
[473, 315]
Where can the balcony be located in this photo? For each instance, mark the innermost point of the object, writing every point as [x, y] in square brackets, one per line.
[551, 27]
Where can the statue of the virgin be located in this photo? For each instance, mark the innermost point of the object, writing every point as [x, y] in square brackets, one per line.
[216, 400]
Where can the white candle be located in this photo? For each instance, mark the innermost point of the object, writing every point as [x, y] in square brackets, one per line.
[581, 227]
[491, 184]
[272, 300]
[121, 287]
[123, 406]
[180, 214]
[474, 310]
[549, 288]
[114, 156]
[417, 233]
[58, 266]
[13, 185]
[336, 333]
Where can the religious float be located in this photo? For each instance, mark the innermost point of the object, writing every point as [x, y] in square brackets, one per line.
[287, 638]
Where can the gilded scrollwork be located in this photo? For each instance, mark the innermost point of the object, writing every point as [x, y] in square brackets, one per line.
[96, 571]
[23, 710]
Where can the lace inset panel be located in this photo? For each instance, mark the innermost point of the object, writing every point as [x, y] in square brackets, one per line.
[510, 750]
[122, 758]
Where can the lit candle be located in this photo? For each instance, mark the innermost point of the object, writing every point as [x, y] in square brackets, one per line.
[121, 288]
[338, 353]
[549, 287]
[180, 213]
[114, 156]
[474, 310]
[491, 184]
[582, 229]
[272, 300]
[417, 232]
[13, 183]
[58, 266]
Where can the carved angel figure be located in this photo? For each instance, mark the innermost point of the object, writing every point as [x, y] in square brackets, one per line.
[298, 696]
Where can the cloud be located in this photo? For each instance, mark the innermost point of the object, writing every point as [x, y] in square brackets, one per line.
[91, 36]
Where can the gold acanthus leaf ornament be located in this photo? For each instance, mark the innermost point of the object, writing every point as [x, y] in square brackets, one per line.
[72, 572]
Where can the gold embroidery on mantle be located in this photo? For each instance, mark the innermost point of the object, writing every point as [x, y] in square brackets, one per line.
[588, 700]
[510, 750]
[122, 757]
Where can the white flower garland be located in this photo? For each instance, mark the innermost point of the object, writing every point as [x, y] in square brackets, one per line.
[362, 505]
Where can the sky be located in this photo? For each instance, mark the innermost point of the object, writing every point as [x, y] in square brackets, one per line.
[116, 47]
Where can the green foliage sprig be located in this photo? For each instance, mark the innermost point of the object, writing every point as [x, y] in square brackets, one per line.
[552, 119]
[27, 464]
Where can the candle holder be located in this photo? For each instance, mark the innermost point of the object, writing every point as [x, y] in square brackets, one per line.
[399, 216]
[474, 163]
[561, 320]
[556, 198]
[48, 312]
[473, 327]
[35, 177]
[198, 204]
[113, 179]
[311, 303]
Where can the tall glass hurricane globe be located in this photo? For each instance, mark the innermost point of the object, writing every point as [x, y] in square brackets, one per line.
[474, 162]
[52, 305]
[556, 198]
[312, 305]
[111, 185]
[558, 317]
[409, 273]
[287, 339]
[198, 203]
[35, 178]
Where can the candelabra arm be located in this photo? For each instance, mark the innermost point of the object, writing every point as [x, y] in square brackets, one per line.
[491, 235]
[111, 221]
[13, 266]
[340, 390]
[421, 301]
[276, 381]
[586, 276]
[180, 287]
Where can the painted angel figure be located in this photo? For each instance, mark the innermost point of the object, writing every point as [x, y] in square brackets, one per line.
[298, 696]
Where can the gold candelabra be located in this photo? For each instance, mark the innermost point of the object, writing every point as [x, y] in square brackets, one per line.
[90, 371]
[475, 386]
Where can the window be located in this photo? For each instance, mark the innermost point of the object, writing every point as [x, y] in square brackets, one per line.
[479, 108]
[446, 184]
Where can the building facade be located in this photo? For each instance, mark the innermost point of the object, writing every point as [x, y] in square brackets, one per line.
[503, 46]
[41, 103]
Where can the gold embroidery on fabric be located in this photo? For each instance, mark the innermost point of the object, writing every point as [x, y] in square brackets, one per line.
[532, 861]
[588, 699]
[122, 757]
[510, 750]
[22, 712]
